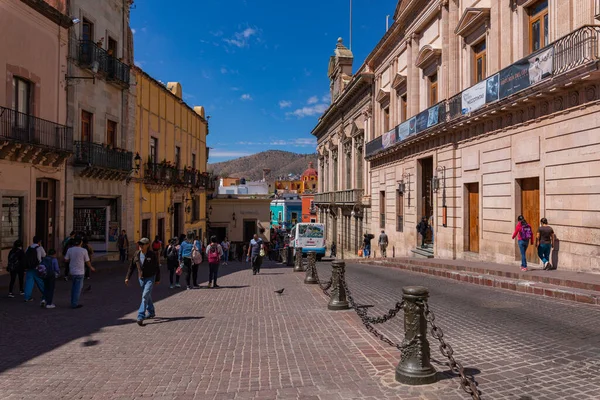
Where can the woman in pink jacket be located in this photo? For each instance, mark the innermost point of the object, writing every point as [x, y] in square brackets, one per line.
[524, 235]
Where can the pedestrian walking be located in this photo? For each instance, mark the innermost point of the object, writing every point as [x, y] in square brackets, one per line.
[383, 244]
[52, 271]
[544, 242]
[33, 257]
[367, 245]
[171, 254]
[422, 228]
[16, 267]
[197, 258]
[85, 244]
[67, 244]
[185, 258]
[123, 244]
[256, 252]
[524, 235]
[225, 245]
[148, 269]
[78, 259]
[214, 253]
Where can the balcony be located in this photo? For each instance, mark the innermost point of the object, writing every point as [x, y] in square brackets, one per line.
[25, 138]
[161, 176]
[89, 53]
[344, 197]
[102, 162]
[562, 59]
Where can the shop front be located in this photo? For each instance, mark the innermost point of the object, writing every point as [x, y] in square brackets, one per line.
[100, 220]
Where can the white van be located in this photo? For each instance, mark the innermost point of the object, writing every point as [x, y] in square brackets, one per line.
[309, 236]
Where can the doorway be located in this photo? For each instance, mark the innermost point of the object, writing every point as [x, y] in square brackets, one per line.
[160, 230]
[249, 229]
[177, 220]
[473, 220]
[45, 211]
[530, 209]
[146, 228]
[219, 232]
[426, 191]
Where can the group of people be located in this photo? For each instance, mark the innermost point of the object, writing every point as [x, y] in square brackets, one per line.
[34, 267]
[545, 241]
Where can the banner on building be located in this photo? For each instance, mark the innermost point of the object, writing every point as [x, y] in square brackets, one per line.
[428, 118]
[474, 97]
[492, 87]
[541, 65]
[388, 138]
[526, 72]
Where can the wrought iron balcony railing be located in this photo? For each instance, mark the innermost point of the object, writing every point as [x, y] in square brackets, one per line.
[168, 175]
[351, 196]
[576, 49]
[25, 128]
[98, 155]
[89, 53]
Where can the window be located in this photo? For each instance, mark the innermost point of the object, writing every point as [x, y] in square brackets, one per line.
[279, 217]
[177, 156]
[195, 208]
[153, 150]
[111, 133]
[403, 108]
[433, 90]
[87, 132]
[386, 119]
[294, 218]
[193, 161]
[87, 30]
[22, 96]
[479, 53]
[112, 47]
[12, 221]
[382, 209]
[313, 220]
[399, 211]
[538, 25]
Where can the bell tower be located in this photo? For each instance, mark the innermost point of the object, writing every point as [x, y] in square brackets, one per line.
[340, 69]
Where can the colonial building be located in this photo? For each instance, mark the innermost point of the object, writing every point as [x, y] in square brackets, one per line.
[35, 141]
[101, 108]
[344, 191]
[483, 111]
[171, 184]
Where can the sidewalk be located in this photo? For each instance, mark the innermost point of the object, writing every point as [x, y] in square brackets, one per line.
[567, 285]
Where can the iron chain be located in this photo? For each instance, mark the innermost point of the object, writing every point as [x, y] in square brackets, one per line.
[467, 383]
[324, 287]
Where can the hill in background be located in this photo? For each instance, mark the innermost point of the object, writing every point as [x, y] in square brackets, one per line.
[251, 167]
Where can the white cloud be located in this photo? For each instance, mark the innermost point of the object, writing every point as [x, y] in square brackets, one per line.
[326, 98]
[216, 153]
[235, 89]
[241, 39]
[308, 111]
[248, 32]
[216, 33]
[245, 97]
[297, 142]
[133, 30]
[313, 100]
[139, 63]
[285, 104]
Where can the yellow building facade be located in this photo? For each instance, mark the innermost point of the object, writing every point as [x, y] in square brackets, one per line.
[170, 147]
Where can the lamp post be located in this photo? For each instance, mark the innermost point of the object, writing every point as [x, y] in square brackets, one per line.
[436, 186]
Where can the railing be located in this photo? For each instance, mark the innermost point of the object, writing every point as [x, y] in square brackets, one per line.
[351, 196]
[89, 53]
[26, 128]
[166, 174]
[98, 155]
[578, 48]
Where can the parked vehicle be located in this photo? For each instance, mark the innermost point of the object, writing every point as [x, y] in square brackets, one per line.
[310, 237]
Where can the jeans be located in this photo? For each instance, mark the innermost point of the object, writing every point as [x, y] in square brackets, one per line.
[383, 248]
[49, 288]
[431, 229]
[31, 278]
[195, 274]
[76, 287]
[367, 251]
[213, 273]
[523, 244]
[225, 255]
[122, 255]
[187, 267]
[172, 270]
[20, 273]
[544, 252]
[147, 305]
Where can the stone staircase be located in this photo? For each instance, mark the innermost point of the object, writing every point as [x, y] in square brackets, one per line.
[426, 252]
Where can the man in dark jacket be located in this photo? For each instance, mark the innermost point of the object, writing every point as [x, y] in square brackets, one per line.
[146, 262]
[422, 228]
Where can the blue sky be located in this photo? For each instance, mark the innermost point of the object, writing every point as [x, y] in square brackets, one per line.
[259, 67]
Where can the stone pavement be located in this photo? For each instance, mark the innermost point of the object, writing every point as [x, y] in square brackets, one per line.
[242, 341]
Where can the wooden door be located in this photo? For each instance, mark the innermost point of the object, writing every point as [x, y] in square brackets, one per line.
[530, 209]
[473, 243]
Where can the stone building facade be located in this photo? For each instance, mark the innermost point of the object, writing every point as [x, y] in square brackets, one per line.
[35, 141]
[343, 197]
[484, 110]
[101, 110]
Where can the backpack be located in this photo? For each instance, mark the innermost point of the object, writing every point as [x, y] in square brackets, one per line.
[213, 254]
[31, 258]
[13, 261]
[172, 254]
[196, 254]
[44, 268]
[156, 245]
[526, 233]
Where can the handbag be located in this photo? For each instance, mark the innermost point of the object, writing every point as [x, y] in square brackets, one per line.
[360, 253]
[196, 254]
[179, 271]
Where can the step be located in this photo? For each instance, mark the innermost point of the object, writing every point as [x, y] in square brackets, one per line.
[422, 252]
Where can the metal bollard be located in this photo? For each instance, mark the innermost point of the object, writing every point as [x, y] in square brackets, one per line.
[283, 255]
[298, 264]
[311, 276]
[289, 257]
[338, 300]
[415, 366]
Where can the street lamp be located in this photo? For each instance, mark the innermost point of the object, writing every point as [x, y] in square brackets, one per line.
[137, 162]
[171, 209]
[436, 185]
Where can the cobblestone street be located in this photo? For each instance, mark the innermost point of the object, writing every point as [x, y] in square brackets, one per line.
[244, 341]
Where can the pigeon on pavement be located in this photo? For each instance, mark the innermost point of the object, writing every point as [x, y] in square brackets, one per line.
[280, 291]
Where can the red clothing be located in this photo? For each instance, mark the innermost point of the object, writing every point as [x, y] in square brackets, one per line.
[518, 230]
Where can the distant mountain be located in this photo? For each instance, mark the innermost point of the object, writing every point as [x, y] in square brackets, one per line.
[281, 163]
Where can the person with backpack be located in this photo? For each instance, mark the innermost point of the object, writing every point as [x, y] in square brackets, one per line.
[33, 257]
[52, 270]
[171, 254]
[524, 236]
[367, 245]
[186, 248]
[544, 241]
[16, 267]
[214, 252]
[422, 229]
